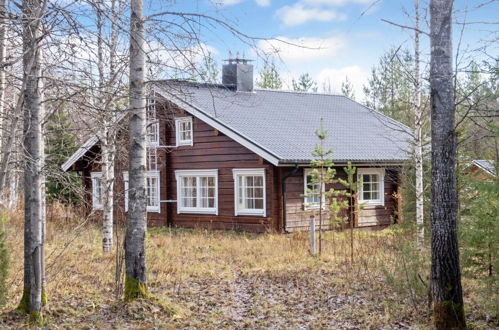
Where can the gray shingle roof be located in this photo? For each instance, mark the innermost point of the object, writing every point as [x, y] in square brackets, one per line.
[487, 165]
[284, 123]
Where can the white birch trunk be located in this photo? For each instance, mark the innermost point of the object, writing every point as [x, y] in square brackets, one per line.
[107, 148]
[3, 32]
[106, 140]
[418, 137]
[135, 262]
[34, 156]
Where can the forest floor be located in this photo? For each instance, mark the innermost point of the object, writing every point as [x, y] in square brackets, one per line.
[215, 279]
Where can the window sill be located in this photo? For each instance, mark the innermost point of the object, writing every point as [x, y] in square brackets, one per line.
[191, 211]
[251, 213]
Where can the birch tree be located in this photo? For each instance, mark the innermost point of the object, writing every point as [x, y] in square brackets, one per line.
[418, 132]
[33, 12]
[446, 289]
[135, 259]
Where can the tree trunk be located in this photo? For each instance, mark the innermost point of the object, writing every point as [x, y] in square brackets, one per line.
[418, 137]
[107, 146]
[34, 155]
[3, 30]
[106, 140]
[135, 262]
[446, 290]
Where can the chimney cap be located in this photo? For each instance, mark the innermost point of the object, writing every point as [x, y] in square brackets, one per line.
[238, 60]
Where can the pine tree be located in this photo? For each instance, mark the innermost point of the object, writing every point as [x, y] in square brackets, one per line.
[269, 77]
[347, 89]
[209, 72]
[390, 87]
[305, 83]
[60, 144]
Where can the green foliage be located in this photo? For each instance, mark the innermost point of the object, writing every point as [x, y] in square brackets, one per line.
[305, 83]
[390, 89]
[4, 259]
[347, 89]
[269, 77]
[410, 270]
[209, 71]
[479, 233]
[60, 144]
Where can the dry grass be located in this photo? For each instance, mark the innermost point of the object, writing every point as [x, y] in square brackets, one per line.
[215, 279]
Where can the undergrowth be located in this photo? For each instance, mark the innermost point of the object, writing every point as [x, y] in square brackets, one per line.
[210, 279]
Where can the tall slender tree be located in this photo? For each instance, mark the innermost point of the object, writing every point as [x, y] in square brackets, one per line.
[418, 132]
[33, 12]
[135, 258]
[446, 289]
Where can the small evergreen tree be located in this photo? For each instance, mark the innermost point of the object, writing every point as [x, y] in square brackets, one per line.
[347, 89]
[305, 83]
[353, 187]
[209, 72]
[60, 144]
[269, 77]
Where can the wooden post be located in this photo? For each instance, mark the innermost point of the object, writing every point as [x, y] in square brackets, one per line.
[312, 236]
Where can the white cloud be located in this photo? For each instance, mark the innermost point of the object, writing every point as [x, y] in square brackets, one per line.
[291, 49]
[334, 2]
[335, 77]
[300, 13]
[261, 3]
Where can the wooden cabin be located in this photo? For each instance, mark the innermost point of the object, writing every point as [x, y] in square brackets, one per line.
[227, 156]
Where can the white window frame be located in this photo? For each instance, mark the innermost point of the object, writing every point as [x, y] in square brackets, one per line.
[149, 174]
[381, 174]
[197, 174]
[179, 141]
[96, 178]
[312, 206]
[153, 126]
[249, 172]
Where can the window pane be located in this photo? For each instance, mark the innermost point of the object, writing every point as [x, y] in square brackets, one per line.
[259, 204]
[258, 181]
[367, 195]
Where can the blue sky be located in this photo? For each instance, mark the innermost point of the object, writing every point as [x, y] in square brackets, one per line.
[349, 33]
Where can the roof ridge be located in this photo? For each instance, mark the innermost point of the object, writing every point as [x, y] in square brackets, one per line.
[297, 92]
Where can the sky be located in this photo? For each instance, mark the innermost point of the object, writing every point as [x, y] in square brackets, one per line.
[345, 38]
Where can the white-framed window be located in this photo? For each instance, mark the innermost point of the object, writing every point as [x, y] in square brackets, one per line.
[152, 191]
[97, 190]
[249, 189]
[151, 106]
[372, 191]
[311, 191]
[153, 134]
[183, 129]
[152, 159]
[197, 191]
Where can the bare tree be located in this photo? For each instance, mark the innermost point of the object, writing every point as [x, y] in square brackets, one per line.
[446, 290]
[33, 12]
[418, 132]
[135, 259]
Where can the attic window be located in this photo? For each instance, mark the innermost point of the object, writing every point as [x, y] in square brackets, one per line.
[372, 189]
[183, 128]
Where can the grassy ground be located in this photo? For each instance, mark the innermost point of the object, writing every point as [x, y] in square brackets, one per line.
[214, 279]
